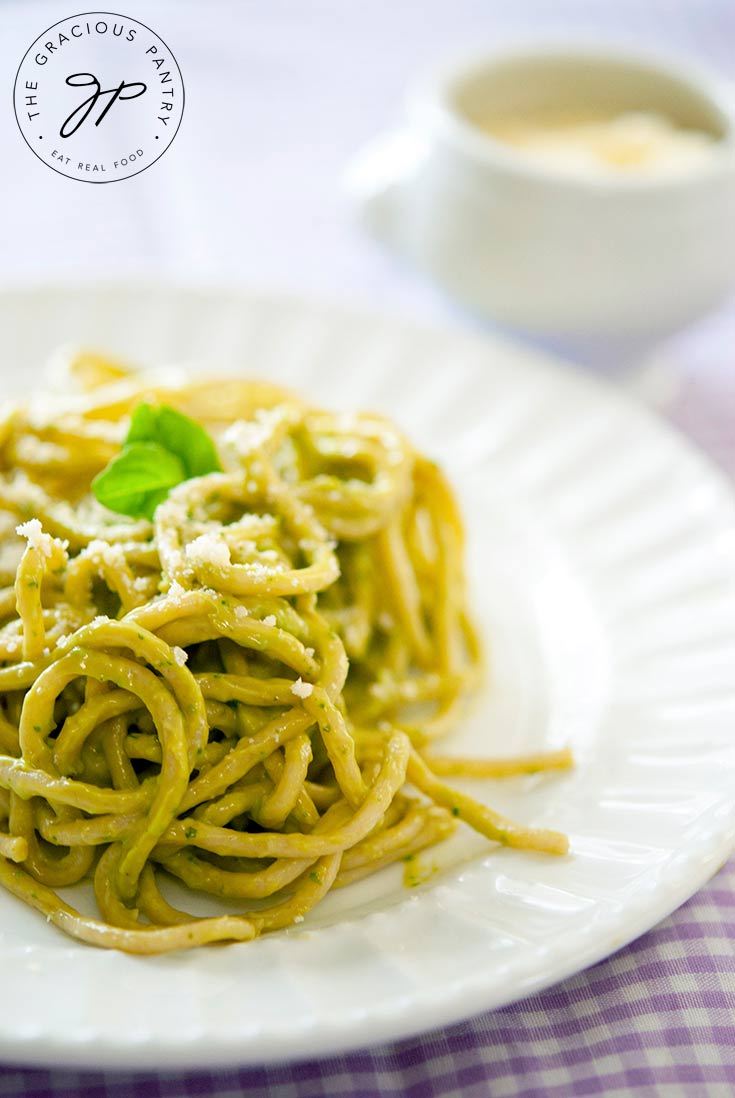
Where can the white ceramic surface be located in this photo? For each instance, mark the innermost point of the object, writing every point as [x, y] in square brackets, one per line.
[628, 258]
[602, 561]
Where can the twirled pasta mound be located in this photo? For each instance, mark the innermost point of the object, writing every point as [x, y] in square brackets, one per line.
[238, 693]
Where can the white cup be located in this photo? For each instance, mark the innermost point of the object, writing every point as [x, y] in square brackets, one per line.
[570, 258]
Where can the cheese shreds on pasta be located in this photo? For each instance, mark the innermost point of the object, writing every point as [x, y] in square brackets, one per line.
[244, 693]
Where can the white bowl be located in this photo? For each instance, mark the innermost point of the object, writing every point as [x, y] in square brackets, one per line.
[630, 258]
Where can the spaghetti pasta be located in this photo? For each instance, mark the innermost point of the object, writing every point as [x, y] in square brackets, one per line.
[241, 693]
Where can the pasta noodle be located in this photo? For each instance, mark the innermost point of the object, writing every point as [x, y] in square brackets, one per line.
[243, 693]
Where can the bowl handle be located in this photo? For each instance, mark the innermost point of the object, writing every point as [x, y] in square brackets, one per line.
[377, 181]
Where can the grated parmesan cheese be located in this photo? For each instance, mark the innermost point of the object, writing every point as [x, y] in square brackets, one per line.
[104, 553]
[270, 620]
[208, 549]
[180, 655]
[309, 652]
[301, 689]
[36, 537]
[33, 531]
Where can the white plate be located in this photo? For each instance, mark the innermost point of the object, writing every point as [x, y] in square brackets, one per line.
[602, 557]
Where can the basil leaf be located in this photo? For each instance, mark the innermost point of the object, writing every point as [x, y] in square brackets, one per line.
[142, 424]
[178, 434]
[138, 479]
[163, 447]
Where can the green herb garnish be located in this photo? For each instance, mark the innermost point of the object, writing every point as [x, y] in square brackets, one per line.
[163, 448]
[178, 434]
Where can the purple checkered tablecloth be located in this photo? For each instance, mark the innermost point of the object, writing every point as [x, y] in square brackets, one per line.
[279, 97]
